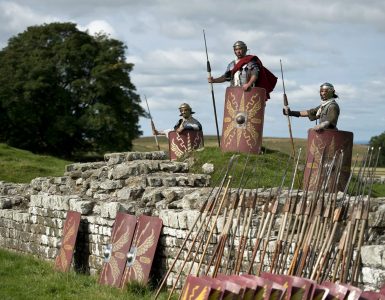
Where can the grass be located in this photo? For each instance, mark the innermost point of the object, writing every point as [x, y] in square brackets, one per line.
[21, 166]
[265, 170]
[25, 277]
[270, 167]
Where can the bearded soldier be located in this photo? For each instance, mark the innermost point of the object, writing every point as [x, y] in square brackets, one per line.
[246, 71]
[327, 112]
[187, 122]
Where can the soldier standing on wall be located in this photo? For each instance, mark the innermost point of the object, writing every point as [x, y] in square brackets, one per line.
[247, 71]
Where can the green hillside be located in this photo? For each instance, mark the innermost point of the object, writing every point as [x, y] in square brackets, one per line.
[21, 166]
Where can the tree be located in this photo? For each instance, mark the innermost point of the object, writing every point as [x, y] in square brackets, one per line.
[64, 92]
[376, 142]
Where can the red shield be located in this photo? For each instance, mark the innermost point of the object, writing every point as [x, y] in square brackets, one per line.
[143, 249]
[371, 295]
[116, 257]
[186, 141]
[336, 291]
[249, 286]
[70, 231]
[243, 120]
[328, 142]
[283, 285]
[354, 293]
[263, 289]
[216, 287]
[195, 288]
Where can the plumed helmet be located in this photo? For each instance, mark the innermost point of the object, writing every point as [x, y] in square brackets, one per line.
[185, 105]
[240, 44]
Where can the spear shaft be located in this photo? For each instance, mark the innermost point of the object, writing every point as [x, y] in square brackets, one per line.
[286, 105]
[152, 124]
[212, 90]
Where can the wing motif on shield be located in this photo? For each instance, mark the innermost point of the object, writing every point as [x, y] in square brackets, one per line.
[136, 270]
[117, 254]
[69, 231]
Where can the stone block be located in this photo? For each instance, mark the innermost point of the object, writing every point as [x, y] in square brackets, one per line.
[109, 210]
[83, 207]
[373, 256]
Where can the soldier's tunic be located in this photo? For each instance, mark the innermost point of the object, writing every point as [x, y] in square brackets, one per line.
[327, 111]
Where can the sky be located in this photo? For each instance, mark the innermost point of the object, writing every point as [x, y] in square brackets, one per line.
[341, 42]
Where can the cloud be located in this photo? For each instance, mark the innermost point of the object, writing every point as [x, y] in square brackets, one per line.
[341, 42]
[99, 26]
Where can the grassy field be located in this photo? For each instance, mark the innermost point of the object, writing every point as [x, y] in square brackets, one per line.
[25, 277]
[21, 166]
[279, 144]
[265, 170]
[270, 167]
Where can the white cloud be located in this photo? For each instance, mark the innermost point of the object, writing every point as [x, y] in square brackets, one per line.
[99, 26]
[341, 42]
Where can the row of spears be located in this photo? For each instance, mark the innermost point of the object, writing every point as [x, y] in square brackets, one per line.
[314, 233]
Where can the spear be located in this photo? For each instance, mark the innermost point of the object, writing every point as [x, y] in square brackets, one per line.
[285, 223]
[212, 89]
[207, 207]
[286, 105]
[152, 124]
[236, 202]
[267, 213]
[365, 216]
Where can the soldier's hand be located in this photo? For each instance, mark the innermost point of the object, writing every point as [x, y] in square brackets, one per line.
[318, 127]
[286, 111]
[210, 80]
[245, 87]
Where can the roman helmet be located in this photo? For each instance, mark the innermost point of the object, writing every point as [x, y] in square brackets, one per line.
[240, 44]
[330, 88]
[185, 105]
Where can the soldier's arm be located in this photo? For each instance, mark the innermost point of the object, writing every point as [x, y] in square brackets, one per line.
[294, 113]
[217, 80]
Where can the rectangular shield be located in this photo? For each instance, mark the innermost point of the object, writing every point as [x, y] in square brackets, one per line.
[142, 251]
[116, 256]
[243, 120]
[195, 288]
[186, 141]
[70, 231]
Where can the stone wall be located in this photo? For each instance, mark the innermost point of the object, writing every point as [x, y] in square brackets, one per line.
[32, 215]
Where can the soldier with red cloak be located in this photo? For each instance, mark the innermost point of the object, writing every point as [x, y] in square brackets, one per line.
[247, 71]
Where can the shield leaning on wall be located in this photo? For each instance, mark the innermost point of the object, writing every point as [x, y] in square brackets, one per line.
[243, 120]
[142, 251]
[115, 258]
[70, 231]
[327, 142]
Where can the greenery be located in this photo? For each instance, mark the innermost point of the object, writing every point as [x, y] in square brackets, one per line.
[64, 92]
[22, 166]
[265, 170]
[269, 167]
[376, 142]
[25, 277]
